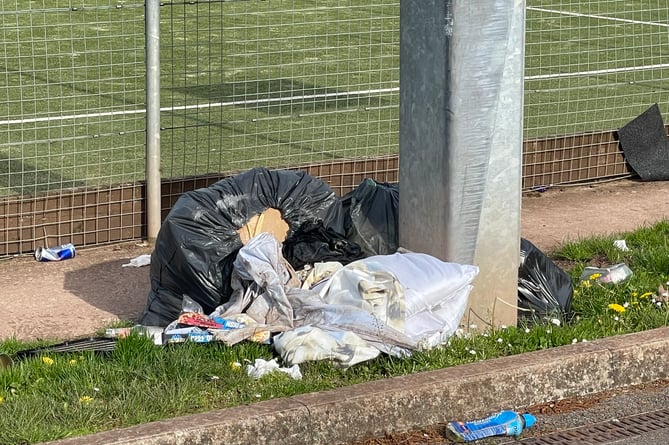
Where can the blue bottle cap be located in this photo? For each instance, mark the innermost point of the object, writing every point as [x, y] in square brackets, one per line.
[529, 420]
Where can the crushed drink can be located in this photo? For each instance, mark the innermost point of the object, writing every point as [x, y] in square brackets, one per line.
[58, 253]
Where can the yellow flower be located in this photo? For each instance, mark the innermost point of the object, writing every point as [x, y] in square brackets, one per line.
[616, 307]
[85, 399]
[235, 366]
[645, 295]
[47, 361]
[585, 283]
[72, 362]
[1, 400]
[594, 276]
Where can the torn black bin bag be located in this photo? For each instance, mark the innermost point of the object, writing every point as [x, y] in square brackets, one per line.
[372, 216]
[315, 243]
[199, 240]
[544, 290]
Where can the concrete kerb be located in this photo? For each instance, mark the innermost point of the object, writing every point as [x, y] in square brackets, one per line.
[407, 402]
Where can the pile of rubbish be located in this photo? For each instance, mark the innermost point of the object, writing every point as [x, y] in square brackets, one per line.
[276, 257]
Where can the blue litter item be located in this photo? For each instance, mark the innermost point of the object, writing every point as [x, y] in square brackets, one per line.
[503, 423]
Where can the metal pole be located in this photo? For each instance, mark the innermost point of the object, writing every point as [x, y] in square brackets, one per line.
[461, 90]
[153, 194]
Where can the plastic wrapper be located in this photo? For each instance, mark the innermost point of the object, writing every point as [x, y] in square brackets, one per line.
[544, 290]
[199, 240]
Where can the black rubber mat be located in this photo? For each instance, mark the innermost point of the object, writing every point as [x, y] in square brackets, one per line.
[646, 146]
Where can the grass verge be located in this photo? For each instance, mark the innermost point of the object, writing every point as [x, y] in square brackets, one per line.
[59, 395]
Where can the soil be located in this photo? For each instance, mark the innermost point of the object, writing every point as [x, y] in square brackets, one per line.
[76, 297]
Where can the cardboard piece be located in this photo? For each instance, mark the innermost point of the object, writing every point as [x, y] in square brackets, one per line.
[269, 221]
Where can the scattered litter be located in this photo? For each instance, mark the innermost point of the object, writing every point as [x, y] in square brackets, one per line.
[58, 253]
[155, 332]
[142, 260]
[544, 290]
[263, 367]
[621, 244]
[614, 274]
[192, 334]
[503, 423]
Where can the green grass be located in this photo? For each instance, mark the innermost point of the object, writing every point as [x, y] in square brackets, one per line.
[63, 61]
[61, 395]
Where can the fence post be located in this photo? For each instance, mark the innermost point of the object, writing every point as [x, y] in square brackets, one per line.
[153, 193]
[461, 96]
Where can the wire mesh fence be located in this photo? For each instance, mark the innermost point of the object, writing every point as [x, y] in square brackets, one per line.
[591, 67]
[277, 84]
[71, 118]
[281, 84]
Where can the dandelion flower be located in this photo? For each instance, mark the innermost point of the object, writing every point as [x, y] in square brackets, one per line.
[1, 400]
[72, 362]
[47, 361]
[235, 366]
[85, 399]
[616, 307]
[645, 295]
[594, 276]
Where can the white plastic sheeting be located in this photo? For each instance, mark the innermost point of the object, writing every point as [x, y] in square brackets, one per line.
[388, 303]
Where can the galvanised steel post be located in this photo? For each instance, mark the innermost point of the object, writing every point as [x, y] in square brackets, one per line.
[461, 101]
[153, 208]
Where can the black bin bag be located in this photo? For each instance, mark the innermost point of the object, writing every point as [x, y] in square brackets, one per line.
[544, 290]
[372, 215]
[198, 241]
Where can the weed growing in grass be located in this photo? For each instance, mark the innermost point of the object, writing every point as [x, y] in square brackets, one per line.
[52, 396]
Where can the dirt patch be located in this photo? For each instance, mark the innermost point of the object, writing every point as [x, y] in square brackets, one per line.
[75, 297]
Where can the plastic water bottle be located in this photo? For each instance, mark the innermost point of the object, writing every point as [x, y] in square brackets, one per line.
[508, 423]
